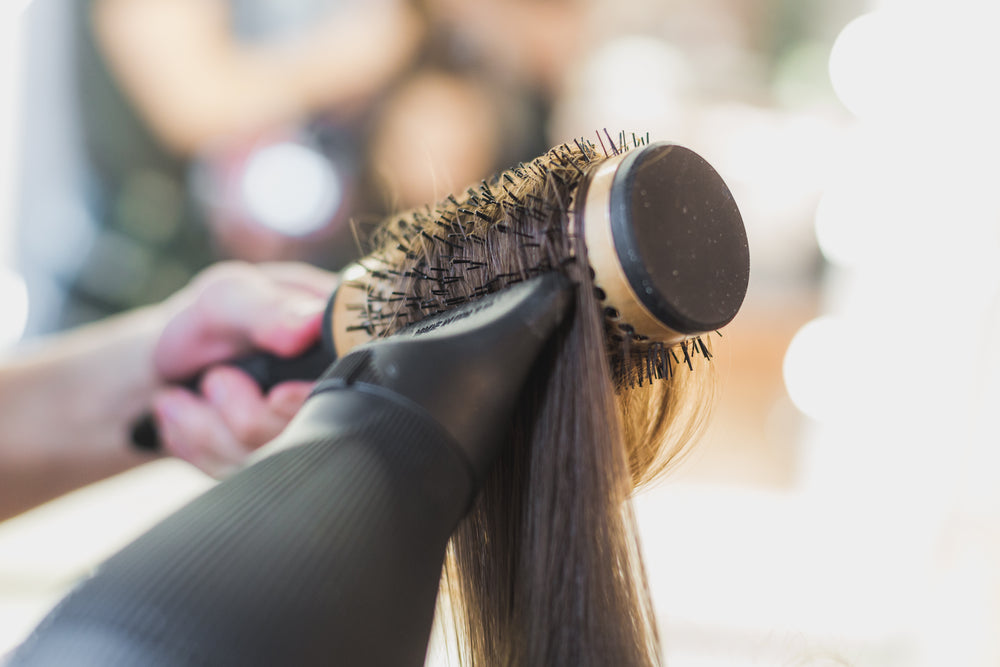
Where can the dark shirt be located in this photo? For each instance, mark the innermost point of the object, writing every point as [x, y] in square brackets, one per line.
[151, 237]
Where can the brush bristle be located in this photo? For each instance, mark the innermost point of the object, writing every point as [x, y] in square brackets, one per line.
[503, 231]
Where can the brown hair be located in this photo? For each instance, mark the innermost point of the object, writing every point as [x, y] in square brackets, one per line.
[546, 568]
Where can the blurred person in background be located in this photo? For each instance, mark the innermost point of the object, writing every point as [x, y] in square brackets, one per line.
[69, 401]
[264, 130]
[166, 85]
[478, 99]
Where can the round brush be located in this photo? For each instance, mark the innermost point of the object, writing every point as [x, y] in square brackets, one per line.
[664, 238]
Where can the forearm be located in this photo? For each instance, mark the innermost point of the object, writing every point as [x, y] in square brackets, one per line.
[214, 87]
[68, 403]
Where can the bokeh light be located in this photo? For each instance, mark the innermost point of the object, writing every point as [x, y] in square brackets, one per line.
[14, 301]
[906, 63]
[291, 188]
[819, 383]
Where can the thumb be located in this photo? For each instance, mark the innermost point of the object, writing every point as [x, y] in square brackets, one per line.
[233, 313]
[287, 326]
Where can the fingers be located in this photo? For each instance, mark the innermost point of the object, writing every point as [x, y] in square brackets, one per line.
[192, 430]
[235, 308]
[242, 406]
[245, 306]
[301, 293]
[217, 430]
[228, 311]
[286, 326]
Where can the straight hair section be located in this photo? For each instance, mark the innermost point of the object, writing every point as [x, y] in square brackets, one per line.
[546, 569]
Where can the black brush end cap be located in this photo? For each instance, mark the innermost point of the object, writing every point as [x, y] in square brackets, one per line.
[680, 238]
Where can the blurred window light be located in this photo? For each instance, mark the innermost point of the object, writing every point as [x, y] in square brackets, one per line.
[909, 63]
[818, 380]
[14, 301]
[636, 82]
[895, 199]
[863, 63]
[11, 9]
[10, 47]
[291, 188]
[873, 218]
[839, 231]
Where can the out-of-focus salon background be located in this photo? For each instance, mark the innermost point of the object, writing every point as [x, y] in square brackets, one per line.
[844, 505]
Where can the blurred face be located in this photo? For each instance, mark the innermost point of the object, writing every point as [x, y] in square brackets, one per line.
[535, 40]
[436, 136]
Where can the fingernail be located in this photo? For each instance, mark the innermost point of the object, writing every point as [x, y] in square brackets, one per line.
[304, 307]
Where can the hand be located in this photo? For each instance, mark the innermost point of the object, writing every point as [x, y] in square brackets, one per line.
[227, 311]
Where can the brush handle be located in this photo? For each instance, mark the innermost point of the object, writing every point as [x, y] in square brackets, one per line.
[266, 369]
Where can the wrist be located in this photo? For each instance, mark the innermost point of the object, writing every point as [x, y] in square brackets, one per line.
[69, 403]
[111, 378]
